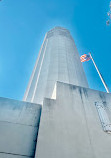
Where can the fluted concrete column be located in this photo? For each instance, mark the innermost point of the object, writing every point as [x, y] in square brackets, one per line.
[58, 60]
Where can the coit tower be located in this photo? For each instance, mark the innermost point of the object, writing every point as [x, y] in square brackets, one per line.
[58, 60]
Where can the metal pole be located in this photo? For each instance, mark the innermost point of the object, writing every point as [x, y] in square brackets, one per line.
[107, 90]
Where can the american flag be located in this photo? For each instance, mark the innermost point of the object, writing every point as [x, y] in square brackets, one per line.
[85, 57]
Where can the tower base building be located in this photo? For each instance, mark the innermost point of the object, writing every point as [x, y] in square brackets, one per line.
[60, 116]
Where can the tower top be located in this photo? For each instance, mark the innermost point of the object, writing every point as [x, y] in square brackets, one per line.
[58, 31]
[59, 28]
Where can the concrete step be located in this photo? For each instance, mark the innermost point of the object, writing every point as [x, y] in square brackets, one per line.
[19, 123]
[70, 125]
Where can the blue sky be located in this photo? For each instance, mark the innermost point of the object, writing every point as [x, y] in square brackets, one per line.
[23, 24]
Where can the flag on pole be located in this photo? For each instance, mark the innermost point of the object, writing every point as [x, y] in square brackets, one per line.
[85, 57]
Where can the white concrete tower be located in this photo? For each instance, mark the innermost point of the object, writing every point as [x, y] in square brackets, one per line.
[58, 60]
[74, 124]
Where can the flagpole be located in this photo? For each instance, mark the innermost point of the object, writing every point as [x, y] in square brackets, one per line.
[107, 90]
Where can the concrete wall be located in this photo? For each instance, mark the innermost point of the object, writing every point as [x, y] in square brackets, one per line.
[58, 60]
[70, 126]
[19, 123]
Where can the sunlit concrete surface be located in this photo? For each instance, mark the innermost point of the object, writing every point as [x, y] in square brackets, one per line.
[70, 125]
[72, 121]
[19, 123]
[58, 60]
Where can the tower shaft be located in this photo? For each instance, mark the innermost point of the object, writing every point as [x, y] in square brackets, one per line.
[58, 60]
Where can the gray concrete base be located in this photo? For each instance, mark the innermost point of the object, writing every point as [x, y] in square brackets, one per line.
[70, 126]
[19, 123]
